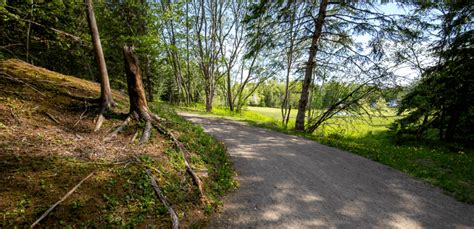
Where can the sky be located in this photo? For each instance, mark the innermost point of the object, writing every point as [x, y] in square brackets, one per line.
[405, 73]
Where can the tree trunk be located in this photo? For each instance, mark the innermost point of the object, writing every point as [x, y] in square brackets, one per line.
[106, 100]
[209, 95]
[452, 125]
[136, 91]
[229, 91]
[28, 33]
[149, 81]
[300, 117]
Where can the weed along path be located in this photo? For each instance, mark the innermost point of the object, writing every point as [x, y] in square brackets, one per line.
[291, 182]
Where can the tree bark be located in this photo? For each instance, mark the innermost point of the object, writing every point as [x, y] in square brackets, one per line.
[300, 117]
[149, 81]
[106, 100]
[209, 89]
[136, 91]
[285, 106]
[229, 91]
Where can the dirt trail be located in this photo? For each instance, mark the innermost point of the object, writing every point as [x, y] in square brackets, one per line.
[291, 182]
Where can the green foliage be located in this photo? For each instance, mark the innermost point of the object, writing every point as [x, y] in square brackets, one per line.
[441, 103]
[210, 155]
[435, 162]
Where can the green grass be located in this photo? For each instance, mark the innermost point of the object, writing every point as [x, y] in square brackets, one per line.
[208, 153]
[438, 163]
[41, 161]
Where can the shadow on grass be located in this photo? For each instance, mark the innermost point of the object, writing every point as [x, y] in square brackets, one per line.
[114, 195]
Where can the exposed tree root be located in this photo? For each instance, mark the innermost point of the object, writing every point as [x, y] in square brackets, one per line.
[139, 110]
[100, 119]
[119, 128]
[60, 201]
[162, 198]
[180, 146]
[7, 76]
[134, 137]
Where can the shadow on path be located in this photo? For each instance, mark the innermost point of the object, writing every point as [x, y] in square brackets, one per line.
[291, 182]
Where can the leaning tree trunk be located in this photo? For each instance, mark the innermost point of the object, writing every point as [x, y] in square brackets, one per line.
[303, 103]
[106, 100]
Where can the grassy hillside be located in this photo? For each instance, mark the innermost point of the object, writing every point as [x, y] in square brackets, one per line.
[47, 146]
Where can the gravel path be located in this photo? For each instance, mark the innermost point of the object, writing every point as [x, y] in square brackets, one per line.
[291, 182]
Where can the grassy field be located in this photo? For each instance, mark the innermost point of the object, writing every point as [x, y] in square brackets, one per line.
[347, 126]
[440, 164]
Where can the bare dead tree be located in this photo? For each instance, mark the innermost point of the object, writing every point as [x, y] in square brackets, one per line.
[136, 93]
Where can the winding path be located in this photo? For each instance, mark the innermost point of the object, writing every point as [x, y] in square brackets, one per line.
[291, 182]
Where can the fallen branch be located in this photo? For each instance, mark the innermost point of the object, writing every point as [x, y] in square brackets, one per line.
[61, 200]
[52, 118]
[197, 181]
[162, 197]
[7, 76]
[82, 114]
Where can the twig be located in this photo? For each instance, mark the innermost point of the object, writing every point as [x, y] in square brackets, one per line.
[79, 136]
[75, 38]
[61, 200]
[134, 137]
[82, 115]
[52, 118]
[162, 197]
[15, 116]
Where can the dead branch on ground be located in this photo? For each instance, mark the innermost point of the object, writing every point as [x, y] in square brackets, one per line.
[185, 153]
[162, 198]
[7, 76]
[60, 201]
[52, 117]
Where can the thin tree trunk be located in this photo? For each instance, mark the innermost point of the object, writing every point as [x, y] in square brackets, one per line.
[285, 106]
[300, 117]
[146, 66]
[28, 34]
[452, 124]
[229, 91]
[189, 93]
[106, 100]
[209, 93]
[149, 81]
